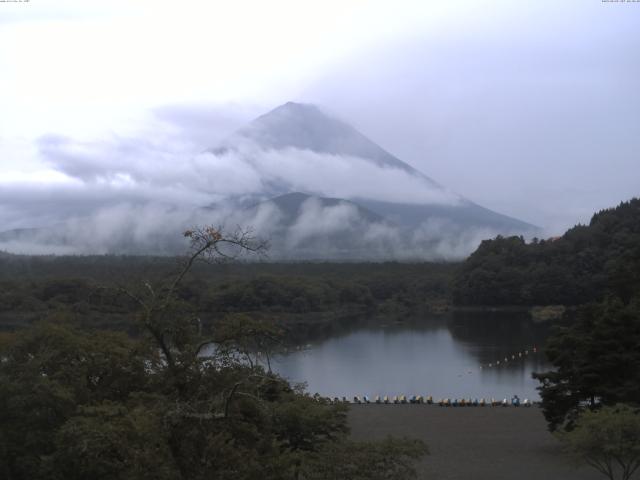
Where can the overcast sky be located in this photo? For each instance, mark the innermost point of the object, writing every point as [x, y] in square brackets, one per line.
[529, 108]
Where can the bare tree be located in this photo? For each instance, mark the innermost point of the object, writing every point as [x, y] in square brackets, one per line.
[177, 339]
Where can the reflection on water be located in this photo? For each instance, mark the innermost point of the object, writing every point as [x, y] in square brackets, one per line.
[436, 356]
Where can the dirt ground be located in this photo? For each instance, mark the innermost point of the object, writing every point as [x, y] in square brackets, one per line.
[473, 443]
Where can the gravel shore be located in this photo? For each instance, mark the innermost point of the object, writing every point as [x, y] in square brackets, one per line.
[473, 443]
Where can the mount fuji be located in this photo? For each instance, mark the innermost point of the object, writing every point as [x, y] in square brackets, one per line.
[399, 194]
[312, 184]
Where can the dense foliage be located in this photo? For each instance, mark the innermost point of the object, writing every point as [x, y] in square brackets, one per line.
[174, 402]
[596, 360]
[76, 404]
[296, 294]
[608, 440]
[583, 265]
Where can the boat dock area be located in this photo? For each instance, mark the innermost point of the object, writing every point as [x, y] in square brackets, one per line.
[429, 400]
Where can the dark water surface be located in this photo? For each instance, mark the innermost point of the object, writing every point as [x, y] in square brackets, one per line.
[439, 356]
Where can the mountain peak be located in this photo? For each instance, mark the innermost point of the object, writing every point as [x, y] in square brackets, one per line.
[306, 127]
[296, 107]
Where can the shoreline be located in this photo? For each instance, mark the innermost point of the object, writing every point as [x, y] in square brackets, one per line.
[492, 443]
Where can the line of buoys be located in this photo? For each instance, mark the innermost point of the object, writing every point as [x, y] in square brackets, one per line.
[512, 357]
[428, 400]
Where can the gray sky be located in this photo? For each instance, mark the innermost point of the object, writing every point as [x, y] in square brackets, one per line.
[529, 108]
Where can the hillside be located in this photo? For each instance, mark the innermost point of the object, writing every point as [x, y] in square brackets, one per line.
[583, 265]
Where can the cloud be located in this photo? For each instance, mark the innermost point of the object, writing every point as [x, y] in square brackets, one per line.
[317, 232]
[205, 124]
[529, 113]
[69, 177]
[531, 110]
[166, 163]
[137, 194]
[335, 176]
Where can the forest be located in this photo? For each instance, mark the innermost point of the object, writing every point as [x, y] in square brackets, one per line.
[77, 402]
[298, 296]
[585, 264]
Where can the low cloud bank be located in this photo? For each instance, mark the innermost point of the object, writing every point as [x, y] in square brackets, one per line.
[132, 195]
[316, 233]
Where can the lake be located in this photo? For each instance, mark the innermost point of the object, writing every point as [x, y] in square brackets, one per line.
[447, 356]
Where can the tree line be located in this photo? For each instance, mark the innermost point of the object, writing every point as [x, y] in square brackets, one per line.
[586, 263]
[295, 294]
[177, 401]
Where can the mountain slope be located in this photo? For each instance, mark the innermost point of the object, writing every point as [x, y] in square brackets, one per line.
[466, 213]
[304, 127]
